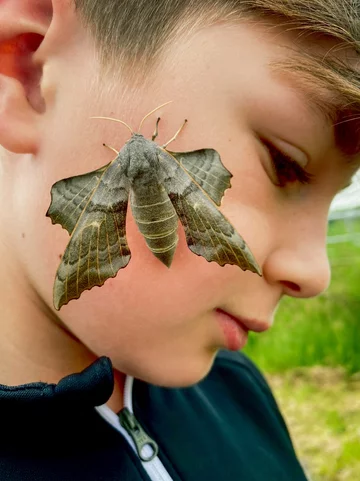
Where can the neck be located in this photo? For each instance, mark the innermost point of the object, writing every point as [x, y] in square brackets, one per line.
[35, 345]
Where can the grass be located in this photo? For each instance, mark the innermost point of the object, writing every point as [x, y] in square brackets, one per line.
[324, 330]
[322, 408]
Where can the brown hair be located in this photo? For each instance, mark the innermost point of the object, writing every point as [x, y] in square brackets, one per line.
[135, 33]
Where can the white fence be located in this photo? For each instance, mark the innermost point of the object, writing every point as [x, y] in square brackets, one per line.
[349, 217]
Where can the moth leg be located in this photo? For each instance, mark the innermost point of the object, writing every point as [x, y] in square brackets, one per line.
[156, 130]
[111, 148]
[176, 134]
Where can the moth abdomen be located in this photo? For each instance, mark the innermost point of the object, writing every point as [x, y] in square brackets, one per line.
[163, 247]
[157, 220]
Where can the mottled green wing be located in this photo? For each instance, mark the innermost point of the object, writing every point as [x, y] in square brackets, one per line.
[97, 248]
[70, 196]
[208, 233]
[206, 168]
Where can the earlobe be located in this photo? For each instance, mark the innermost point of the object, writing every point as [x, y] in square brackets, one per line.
[18, 119]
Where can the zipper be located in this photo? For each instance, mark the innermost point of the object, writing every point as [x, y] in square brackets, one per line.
[139, 436]
[143, 445]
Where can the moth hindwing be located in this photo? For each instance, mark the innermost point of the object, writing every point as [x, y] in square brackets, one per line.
[163, 187]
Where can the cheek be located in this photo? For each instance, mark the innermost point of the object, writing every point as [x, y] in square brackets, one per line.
[145, 290]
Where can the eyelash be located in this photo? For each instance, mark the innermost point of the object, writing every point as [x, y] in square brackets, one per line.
[286, 169]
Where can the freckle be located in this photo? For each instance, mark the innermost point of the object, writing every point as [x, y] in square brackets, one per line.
[60, 256]
[23, 235]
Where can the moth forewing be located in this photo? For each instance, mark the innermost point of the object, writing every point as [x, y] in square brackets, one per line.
[97, 248]
[207, 170]
[70, 196]
[208, 232]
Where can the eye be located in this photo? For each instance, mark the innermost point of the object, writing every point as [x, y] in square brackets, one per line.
[286, 170]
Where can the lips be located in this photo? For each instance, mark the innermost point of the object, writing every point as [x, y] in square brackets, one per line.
[254, 325]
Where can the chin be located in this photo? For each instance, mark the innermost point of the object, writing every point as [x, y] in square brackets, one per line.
[177, 373]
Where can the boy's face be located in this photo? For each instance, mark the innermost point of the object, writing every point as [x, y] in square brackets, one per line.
[156, 323]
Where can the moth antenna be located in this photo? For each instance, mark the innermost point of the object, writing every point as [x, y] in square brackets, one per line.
[111, 148]
[147, 115]
[115, 120]
[156, 133]
[175, 135]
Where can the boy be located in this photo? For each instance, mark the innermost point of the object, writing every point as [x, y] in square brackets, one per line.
[272, 85]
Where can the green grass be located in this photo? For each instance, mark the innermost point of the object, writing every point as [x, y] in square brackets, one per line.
[309, 357]
[322, 408]
[320, 331]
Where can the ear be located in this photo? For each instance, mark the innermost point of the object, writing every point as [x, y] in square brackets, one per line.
[23, 25]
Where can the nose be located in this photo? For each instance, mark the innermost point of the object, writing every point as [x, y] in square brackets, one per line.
[301, 267]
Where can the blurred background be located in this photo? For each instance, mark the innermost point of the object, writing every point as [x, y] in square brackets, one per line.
[311, 356]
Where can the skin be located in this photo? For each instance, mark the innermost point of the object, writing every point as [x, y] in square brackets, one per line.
[154, 323]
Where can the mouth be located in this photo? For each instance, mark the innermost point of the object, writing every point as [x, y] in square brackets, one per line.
[235, 328]
[254, 325]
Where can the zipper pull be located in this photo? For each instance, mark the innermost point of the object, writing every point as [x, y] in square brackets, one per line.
[129, 422]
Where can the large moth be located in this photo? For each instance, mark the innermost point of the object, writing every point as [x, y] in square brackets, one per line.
[162, 187]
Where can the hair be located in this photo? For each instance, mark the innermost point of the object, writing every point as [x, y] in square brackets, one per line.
[136, 33]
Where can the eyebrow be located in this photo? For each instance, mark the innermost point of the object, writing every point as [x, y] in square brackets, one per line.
[344, 119]
[333, 91]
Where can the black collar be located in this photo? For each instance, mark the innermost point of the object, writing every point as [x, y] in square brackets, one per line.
[58, 418]
[91, 387]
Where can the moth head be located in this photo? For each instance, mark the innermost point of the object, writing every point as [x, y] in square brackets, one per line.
[144, 162]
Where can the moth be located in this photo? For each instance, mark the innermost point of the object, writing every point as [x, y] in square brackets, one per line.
[163, 187]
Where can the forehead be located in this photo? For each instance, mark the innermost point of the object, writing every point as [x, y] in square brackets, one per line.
[281, 64]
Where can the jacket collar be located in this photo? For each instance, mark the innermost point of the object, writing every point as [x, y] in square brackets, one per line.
[91, 387]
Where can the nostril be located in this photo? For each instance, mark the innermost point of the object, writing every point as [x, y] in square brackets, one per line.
[291, 285]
